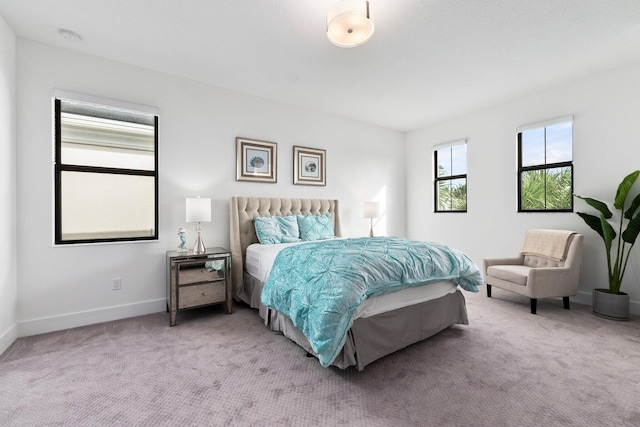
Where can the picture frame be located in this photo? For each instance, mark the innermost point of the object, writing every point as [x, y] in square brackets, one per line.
[256, 160]
[309, 166]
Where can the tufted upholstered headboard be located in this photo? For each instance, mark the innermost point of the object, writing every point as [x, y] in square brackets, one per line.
[242, 232]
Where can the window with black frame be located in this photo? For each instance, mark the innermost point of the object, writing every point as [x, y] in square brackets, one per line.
[106, 173]
[450, 178]
[545, 167]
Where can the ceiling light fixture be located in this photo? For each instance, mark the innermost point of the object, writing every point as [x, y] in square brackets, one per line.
[69, 36]
[349, 23]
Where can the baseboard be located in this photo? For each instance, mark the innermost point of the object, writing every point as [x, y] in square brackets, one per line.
[586, 298]
[8, 337]
[634, 308]
[89, 317]
[583, 298]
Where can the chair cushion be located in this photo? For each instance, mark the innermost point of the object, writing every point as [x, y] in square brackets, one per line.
[511, 273]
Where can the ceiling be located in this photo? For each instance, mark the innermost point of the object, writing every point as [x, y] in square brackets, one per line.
[428, 61]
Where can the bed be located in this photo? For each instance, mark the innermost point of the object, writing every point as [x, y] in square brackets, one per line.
[381, 325]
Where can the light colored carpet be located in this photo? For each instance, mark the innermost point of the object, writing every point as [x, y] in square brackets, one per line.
[507, 368]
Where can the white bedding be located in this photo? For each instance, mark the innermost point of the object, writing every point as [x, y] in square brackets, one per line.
[259, 259]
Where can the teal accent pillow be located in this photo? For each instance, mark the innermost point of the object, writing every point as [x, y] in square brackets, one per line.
[277, 229]
[315, 227]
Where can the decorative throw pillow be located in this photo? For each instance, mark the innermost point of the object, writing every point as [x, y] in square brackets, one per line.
[315, 227]
[277, 229]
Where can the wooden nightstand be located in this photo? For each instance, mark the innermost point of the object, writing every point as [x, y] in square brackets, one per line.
[196, 280]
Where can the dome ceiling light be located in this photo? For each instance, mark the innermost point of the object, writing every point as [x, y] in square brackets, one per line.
[349, 23]
[69, 36]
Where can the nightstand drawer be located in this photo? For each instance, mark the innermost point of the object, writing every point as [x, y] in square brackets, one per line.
[196, 295]
[194, 273]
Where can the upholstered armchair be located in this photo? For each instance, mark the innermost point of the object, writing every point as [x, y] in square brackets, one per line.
[548, 266]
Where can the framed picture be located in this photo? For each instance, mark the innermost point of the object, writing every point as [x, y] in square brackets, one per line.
[308, 166]
[256, 160]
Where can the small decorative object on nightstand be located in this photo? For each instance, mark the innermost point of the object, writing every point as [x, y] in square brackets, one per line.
[196, 280]
[182, 240]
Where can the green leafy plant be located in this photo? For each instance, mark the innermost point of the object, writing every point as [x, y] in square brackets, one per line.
[546, 189]
[626, 238]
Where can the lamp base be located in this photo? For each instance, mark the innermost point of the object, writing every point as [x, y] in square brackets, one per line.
[199, 247]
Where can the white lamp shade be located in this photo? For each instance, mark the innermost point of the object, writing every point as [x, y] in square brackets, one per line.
[371, 209]
[349, 23]
[198, 209]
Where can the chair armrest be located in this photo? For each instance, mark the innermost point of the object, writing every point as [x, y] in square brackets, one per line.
[552, 282]
[545, 273]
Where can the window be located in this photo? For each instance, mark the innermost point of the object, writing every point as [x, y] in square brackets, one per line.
[451, 177]
[545, 167]
[106, 172]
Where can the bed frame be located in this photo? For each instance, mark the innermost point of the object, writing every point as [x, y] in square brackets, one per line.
[369, 338]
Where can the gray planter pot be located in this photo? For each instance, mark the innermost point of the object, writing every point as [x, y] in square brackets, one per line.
[610, 306]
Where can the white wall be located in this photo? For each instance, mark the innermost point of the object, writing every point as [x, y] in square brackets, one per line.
[606, 110]
[62, 287]
[8, 249]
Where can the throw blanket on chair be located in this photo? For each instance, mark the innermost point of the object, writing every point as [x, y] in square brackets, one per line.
[546, 243]
[319, 285]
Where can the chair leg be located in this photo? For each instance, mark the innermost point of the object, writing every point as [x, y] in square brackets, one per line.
[534, 305]
[489, 290]
[565, 301]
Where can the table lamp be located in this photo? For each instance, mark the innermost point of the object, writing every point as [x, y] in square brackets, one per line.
[371, 210]
[198, 210]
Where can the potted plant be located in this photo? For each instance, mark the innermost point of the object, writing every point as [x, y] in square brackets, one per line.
[611, 303]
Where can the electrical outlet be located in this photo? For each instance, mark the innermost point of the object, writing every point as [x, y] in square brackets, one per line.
[117, 284]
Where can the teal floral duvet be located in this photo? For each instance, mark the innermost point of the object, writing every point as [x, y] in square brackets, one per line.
[319, 285]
